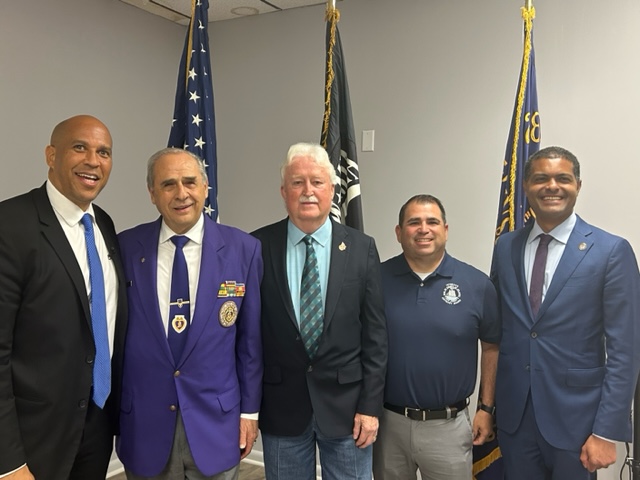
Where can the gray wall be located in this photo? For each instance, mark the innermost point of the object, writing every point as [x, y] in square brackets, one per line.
[435, 79]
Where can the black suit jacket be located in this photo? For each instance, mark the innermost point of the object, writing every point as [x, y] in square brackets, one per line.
[347, 375]
[46, 344]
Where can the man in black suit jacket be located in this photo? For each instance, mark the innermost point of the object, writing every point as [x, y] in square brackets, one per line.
[331, 397]
[50, 428]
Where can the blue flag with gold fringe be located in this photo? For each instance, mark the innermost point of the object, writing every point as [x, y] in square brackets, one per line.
[523, 141]
[338, 137]
[513, 210]
[194, 122]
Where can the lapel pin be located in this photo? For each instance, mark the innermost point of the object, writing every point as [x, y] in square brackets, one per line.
[142, 260]
[582, 246]
[342, 247]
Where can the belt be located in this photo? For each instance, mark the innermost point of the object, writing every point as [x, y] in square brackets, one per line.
[420, 414]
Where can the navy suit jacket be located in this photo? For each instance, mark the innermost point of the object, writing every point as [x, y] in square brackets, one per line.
[46, 343]
[579, 356]
[348, 372]
[220, 372]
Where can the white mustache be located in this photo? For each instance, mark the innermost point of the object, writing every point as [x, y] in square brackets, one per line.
[309, 199]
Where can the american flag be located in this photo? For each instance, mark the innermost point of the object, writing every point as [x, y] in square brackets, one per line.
[194, 121]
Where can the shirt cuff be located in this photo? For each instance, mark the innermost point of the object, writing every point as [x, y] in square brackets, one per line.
[250, 416]
[2, 475]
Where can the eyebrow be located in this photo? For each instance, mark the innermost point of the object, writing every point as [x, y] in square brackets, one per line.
[411, 219]
[176, 180]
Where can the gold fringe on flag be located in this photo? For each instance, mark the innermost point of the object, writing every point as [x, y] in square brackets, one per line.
[528, 14]
[483, 463]
[333, 16]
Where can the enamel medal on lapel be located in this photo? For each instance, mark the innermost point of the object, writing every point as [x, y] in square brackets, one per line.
[228, 313]
[179, 323]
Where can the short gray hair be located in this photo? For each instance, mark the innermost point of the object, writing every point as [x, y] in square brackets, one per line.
[173, 151]
[313, 150]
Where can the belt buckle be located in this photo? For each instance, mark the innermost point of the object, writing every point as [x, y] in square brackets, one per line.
[409, 409]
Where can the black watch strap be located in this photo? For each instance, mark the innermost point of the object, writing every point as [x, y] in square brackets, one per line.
[491, 410]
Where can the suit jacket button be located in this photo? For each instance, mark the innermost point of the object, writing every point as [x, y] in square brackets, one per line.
[89, 359]
[527, 368]
[176, 373]
[82, 403]
[310, 369]
[534, 335]
[173, 408]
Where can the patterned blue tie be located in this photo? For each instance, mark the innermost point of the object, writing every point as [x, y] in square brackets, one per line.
[102, 363]
[310, 301]
[179, 308]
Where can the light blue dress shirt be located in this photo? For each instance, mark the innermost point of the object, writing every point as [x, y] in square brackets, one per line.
[560, 236]
[296, 253]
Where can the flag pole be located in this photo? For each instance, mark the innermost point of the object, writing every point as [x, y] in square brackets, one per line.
[528, 4]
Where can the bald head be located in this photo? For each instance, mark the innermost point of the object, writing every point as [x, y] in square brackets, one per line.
[68, 126]
[79, 158]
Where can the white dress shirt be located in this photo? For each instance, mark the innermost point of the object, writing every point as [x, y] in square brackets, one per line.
[193, 256]
[69, 215]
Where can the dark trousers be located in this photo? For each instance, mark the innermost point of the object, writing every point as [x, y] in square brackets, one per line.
[528, 456]
[94, 454]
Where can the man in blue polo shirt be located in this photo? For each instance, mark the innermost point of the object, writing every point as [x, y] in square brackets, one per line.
[437, 308]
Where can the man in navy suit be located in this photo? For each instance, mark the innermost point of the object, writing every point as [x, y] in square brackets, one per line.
[189, 411]
[568, 360]
[322, 386]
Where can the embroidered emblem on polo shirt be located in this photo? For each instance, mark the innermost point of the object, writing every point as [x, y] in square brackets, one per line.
[451, 294]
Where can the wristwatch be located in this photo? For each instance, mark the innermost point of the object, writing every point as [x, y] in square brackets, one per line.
[491, 410]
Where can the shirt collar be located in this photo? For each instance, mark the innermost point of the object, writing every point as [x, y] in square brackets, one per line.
[561, 233]
[68, 211]
[444, 269]
[322, 235]
[195, 233]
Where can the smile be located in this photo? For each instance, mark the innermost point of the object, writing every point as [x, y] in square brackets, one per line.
[88, 176]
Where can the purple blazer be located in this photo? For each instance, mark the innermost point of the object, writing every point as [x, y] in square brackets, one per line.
[220, 372]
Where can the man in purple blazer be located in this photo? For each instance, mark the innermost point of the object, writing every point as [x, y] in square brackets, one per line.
[192, 380]
[568, 362]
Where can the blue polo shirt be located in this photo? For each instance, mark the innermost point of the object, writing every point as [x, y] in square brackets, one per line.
[433, 328]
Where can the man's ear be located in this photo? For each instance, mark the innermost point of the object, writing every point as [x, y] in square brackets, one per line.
[50, 155]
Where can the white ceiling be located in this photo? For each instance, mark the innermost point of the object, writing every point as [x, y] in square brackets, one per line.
[179, 11]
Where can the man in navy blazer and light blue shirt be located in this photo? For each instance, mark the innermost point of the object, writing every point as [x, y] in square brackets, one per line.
[191, 414]
[330, 397]
[566, 375]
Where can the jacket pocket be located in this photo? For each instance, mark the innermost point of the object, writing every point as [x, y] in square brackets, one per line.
[229, 400]
[350, 373]
[585, 377]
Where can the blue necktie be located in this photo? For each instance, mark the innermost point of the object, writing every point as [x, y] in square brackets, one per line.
[102, 363]
[310, 301]
[179, 308]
